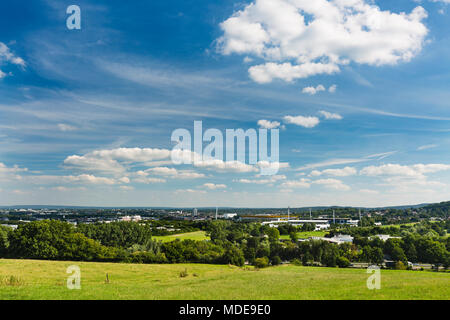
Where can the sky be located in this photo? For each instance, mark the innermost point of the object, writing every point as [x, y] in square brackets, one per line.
[358, 89]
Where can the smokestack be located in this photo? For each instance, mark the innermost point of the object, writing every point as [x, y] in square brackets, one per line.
[334, 219]
[216, 212]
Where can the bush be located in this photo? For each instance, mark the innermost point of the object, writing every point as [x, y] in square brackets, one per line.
[296, 262]
[342, 262]
[184, 274]
[261, 262]
[276, 261]
[400, 265]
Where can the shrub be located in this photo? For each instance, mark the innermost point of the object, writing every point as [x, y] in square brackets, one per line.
[342, 262]
[184, 274]
[11, 281]
[276, 260]
[296, 262]
[261, 262]
[400, 265]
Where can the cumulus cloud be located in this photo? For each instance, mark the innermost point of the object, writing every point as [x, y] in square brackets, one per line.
[307, 122]
[88, 163]
[265, 73]
[302, 183]
[172, 173]
[313, 90]
[333, 184]
[344, 172]
[266, 124]
[212, 186]
[225, 166]
[330, 116]
[320, 36]
[412, 171]
[332, 89]
[270, 180]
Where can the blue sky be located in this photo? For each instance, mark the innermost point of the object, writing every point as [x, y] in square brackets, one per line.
[86, 115]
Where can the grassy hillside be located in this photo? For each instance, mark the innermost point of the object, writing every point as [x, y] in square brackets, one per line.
[36, 279]
[197, 235]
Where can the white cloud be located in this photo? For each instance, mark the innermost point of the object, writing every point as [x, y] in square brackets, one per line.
[269, 180]
[302, 183]
[428, 146]
[126, 188]
[225, 166]
[148, 180]
[330, 116]
[320, 36]
[172, 173]
[332, 89]
[189, 191]
[307, 122]
[6, 56]
[313, 90]
[87, 163]
[212, 186]
[65, 127]
[412, 171]
[266, 124]
[265, 73]
[333, 184]
[344, 172]
[369, 191]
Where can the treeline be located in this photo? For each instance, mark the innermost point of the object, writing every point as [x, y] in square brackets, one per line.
[231, 243]
[424, 228]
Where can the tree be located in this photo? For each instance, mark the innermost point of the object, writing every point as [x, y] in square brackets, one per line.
[276, 260]
[376, 255]
[261, 262]
[4, 242]
[273, 234]
[397, 254]
[294, 237]
[234, 256]
[342, 262]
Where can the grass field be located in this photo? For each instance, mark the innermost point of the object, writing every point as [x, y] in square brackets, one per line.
[306, 234]
[36, 279]
[197, 235]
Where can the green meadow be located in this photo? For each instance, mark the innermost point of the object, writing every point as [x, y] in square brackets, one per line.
[197, 235]
[38, 279]
[306, 234]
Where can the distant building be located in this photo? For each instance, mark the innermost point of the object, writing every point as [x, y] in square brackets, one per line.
[13, 226]
[229, 215]
[384, 237]
[133, 218]
[338, 239]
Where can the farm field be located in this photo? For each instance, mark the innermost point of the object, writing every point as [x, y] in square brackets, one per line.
[38, 279]
[197, 235]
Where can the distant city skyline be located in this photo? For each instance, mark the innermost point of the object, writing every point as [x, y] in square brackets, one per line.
[358, 89]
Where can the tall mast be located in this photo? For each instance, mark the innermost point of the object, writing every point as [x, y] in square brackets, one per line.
[217, 208]
[334, 219]
[310, 217]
